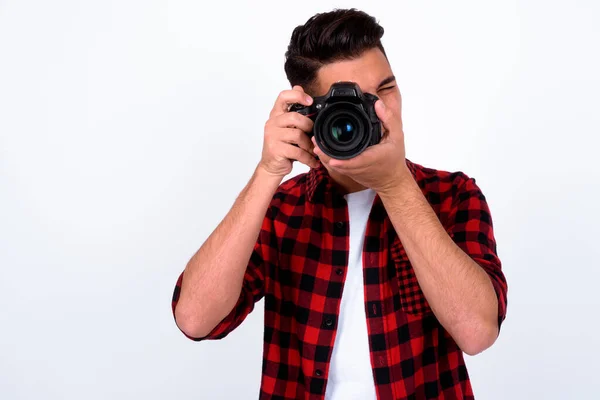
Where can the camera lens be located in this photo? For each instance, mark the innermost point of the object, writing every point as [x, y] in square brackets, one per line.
[343, 129]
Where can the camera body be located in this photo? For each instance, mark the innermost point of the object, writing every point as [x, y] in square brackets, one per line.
[345, 121]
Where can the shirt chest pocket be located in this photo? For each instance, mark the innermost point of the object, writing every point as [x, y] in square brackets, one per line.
[412, 299]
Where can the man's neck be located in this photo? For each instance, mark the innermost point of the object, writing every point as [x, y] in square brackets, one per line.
[345, 184]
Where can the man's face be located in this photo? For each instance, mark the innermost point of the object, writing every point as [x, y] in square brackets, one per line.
[371, 71]
[373, 74]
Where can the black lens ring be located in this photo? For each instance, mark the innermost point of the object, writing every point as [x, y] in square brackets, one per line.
[331, 114]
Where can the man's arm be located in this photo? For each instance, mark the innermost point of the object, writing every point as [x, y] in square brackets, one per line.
[460, 278]
[459, 291]
[212, 279]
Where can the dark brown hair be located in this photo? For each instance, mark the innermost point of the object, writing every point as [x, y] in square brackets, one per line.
[341, 34]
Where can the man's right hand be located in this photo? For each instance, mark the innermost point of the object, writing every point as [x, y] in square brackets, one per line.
[213, 279]
[286, 138]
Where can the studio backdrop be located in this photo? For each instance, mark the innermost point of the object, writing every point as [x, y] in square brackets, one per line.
[128, 128]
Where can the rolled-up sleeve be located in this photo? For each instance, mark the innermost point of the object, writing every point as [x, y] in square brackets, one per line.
[263, 255]
[471, 228]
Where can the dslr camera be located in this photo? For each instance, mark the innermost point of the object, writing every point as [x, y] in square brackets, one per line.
[345, 122]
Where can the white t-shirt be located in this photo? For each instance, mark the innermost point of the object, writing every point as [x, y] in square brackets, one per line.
[350, 372]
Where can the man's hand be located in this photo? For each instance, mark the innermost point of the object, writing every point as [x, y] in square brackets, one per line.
[285, 137]
[382, 166]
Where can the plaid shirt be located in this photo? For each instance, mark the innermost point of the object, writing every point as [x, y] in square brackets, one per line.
[299, 265]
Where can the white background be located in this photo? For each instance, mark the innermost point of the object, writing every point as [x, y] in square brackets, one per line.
[127, 128]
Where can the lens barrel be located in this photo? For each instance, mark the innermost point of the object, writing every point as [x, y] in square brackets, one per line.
[343, 130]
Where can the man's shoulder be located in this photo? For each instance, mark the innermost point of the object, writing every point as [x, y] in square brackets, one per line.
[445, 187]
[291, 191]
[295, 184]
[438, 179]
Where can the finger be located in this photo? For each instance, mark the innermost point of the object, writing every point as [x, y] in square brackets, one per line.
[324, 158]
[386, 115]
[288, 97]
[294, 120]
[296, 153]
[298, 137]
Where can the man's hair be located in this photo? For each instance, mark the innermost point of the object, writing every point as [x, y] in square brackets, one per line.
[341, 34]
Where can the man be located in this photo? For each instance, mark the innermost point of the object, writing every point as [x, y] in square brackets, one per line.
[377, 273]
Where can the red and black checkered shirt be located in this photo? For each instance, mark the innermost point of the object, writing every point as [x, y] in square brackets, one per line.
[299, 265]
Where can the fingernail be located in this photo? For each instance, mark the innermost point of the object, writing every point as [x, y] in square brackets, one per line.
[309, 99]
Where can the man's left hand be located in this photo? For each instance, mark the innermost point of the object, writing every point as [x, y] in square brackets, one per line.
[380, 167]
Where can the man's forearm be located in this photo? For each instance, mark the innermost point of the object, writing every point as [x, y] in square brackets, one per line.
[212, 279]
[458, 290]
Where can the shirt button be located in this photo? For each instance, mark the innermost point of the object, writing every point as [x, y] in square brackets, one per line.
[339, 271]
[339, 225]
[318, 372]
[328, 322]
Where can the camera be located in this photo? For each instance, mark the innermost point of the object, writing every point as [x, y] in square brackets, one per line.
[345, 122]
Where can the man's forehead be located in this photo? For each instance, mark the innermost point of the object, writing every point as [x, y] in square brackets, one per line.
[368, 82]
[367, 71]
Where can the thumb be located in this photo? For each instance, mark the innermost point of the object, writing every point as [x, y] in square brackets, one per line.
[385, 115]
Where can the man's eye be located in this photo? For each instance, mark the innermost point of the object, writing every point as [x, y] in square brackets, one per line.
[387, 88]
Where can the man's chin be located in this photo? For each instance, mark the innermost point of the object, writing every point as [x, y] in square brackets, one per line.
[343, 182]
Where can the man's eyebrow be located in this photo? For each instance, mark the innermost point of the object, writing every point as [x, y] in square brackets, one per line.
[387, 80]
